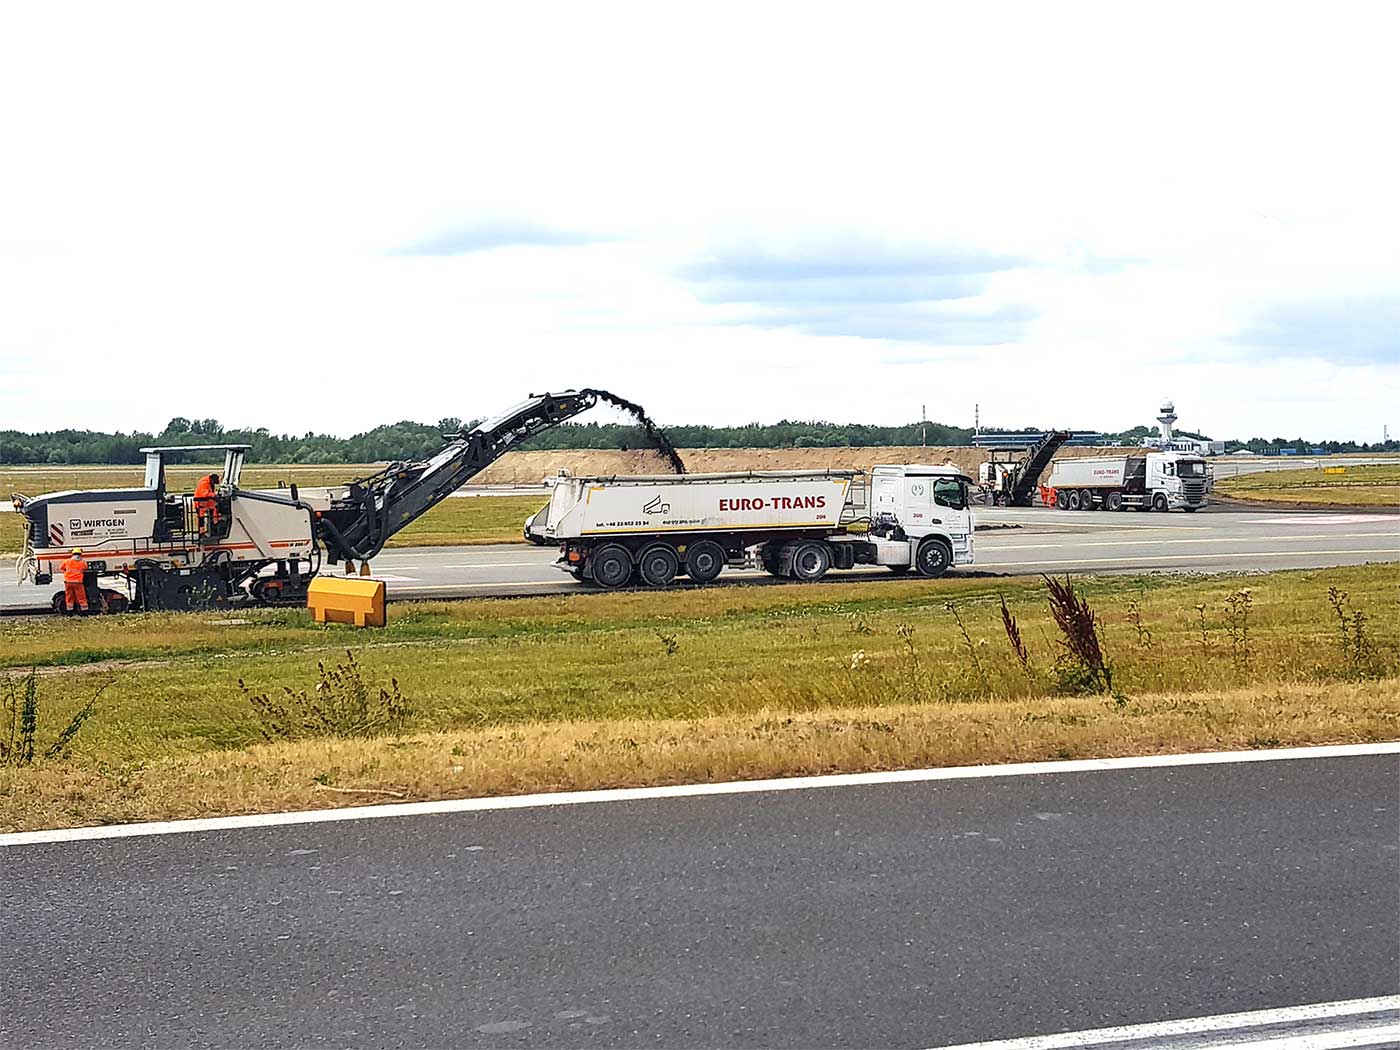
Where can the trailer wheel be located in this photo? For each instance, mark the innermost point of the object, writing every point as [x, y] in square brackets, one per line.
[704, 561]
[1072, 500]
[1159, 502]
[1086, 499]
[810, 562]
[1062, 499]
[933, 557]
[611, 565]
[1113, 501]
[658, 565]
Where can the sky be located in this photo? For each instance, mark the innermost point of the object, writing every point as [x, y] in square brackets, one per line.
[331, 216]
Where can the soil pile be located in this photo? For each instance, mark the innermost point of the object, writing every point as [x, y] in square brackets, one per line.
[530, 468]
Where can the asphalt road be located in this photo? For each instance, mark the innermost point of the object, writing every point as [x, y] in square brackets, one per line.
[899, 915]
[1215, 540]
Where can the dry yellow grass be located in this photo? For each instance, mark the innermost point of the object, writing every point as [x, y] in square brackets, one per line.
[590, 690]
[560, 756]
[1363, 486]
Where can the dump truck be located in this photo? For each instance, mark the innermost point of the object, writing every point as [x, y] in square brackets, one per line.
[651, 529]
[1149, 481]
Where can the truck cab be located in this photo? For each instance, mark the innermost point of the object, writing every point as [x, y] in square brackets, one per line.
[1181, 477]
[913, 502]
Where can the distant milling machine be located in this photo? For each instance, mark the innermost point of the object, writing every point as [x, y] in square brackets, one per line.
[150, 549]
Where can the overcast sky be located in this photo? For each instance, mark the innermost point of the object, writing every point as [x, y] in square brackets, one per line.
[327, 217]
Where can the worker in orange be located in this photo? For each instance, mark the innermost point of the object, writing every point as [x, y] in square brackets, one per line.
[205, 506]
[74, 589]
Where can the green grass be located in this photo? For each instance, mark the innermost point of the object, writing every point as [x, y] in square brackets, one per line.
[472, 520]
[1364, 486]
[735, 657]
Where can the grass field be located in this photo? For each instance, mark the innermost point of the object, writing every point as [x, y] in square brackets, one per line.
[1366, 486]
[631, 688]
[478, 519]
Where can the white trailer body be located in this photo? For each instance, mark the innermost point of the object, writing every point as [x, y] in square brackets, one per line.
[1150, 481]
[797, 524]
[598, 507]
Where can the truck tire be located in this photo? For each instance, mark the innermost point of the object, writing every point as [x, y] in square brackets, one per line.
[704, 561]
[658, 565]
[1072, 501]
[1159, 502]
[810, 562]
[933, 557]
[1113, 501]
[611, 566]
[1086, 499]
[1062, 500]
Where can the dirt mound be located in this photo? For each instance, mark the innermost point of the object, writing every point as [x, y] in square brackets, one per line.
[527, 468]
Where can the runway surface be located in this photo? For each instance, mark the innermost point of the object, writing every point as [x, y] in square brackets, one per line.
[1050, 541]
[911, 914]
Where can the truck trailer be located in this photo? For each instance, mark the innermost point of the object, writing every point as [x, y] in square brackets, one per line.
[1150, 481]
[612, 531]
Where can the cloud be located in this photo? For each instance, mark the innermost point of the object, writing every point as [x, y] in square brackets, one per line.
[867, 287]
[490, 233]
[1342, 330]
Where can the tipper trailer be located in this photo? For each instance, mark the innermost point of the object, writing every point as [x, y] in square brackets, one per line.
[796, 524]
[1150, 481]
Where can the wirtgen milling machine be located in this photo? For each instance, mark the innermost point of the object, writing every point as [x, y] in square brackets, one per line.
[257, 545]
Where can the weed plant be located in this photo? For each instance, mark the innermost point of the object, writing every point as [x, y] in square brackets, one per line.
[342, 704]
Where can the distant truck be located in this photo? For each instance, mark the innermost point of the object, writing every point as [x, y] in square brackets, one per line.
[795, 524]
[1149, 481]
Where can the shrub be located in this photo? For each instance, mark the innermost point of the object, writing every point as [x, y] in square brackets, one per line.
[341, 704]
[20, 729]
[1081, 667]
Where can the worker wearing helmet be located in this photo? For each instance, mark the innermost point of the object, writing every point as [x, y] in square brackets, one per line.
[205, 506]
[74, 586]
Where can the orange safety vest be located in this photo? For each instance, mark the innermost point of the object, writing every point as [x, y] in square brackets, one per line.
[204, 492]
[73, 570]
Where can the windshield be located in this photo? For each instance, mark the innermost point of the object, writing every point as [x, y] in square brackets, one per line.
[1191, 468]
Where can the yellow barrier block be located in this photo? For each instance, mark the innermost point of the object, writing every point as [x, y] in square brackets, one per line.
[335, 600]
[1334, 470]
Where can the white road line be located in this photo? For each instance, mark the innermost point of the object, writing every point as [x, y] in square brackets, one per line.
[1191, 557]
[732, 787]
[1160, 1030]
[1097, 523]
[1379, 1036]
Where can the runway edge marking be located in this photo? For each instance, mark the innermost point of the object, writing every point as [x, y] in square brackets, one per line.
[729, 787]
[1223, 1023]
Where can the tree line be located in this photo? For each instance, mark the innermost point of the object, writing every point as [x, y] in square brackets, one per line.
[413, 441]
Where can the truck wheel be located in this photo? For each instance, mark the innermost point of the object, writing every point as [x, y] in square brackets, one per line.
[658, 565]
[612, 566]
[933, 557]
[1159, 502]
[1062, 500]
[810, 562]
[1086, 499]
[1073, 501]
[1113, 501]
[704, 561]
